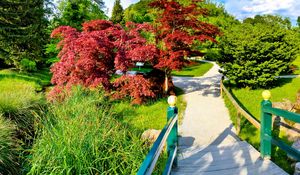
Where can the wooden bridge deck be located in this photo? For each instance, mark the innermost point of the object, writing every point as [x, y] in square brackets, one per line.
[238, 158]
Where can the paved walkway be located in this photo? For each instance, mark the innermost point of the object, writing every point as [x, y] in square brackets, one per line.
[206, 120]
[208, 144]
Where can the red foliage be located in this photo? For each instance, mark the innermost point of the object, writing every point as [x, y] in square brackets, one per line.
[178, 29]
[89, 58]
[136, 87]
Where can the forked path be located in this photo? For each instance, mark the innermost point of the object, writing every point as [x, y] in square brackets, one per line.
[206, 119]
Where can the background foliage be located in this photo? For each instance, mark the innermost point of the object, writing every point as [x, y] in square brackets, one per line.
[22, 32]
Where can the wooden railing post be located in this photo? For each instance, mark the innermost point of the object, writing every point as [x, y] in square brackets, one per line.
[172, 140]
[221, 86]
[266, 126]
[238, 123]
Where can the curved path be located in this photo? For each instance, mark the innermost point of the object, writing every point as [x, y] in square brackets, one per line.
[206, 120]
[208, 144]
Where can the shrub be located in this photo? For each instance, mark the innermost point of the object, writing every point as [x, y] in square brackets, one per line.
[80, 136]
[27, 65]
[8, 163]
[213, 54]
[253, 55]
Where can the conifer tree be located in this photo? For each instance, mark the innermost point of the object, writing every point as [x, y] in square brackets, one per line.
[22, 34]
[117, 12]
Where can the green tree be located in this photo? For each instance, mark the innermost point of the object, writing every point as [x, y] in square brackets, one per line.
[298, 21]
[253, 55]
[22, 34]
[117, 12]
[218, 15]
[270, 20]
[140, 12]
[74, 12]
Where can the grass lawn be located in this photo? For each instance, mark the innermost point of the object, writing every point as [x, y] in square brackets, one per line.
[18, 90]
[16, 94]
[148, 116]
[297, 64]
[41, 77]
[196, 70]
[250, 100]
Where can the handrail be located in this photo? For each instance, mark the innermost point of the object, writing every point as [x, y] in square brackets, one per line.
[240, 110]
[170, 161]
[168, 135]
[283, 113]
[266, 137]
[152, 157]
[265, 125]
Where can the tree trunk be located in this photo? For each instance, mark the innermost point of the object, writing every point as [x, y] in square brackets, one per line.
[166, 84]
[167, 75]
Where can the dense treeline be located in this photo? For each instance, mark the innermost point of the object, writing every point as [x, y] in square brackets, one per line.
[26, 26]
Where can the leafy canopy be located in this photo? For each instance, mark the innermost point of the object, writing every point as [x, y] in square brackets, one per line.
[91, 57]
[140, 12]
[177, 28]
[74, 12]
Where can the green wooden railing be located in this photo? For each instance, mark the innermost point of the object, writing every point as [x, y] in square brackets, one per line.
[168, 134]
[266, 137]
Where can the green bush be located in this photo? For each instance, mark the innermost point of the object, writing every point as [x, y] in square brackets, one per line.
[253, 55]
[8, 163]
[51, 52]
[27, 65]
[80, 136]
[213, 54]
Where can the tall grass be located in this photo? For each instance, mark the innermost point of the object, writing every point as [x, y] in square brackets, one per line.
[8, 156]
[17, 95]
[80, 136]
[19, 102]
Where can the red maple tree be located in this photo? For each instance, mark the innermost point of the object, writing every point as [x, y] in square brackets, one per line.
[90, 58]
[178, 28]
